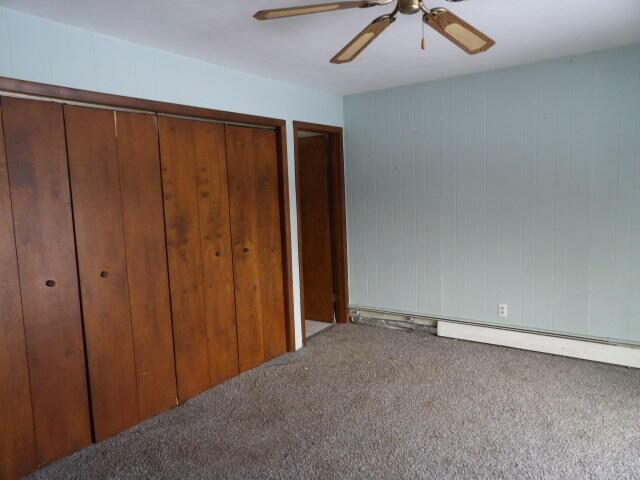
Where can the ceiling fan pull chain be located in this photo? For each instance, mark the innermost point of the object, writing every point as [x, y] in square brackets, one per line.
[423, 43]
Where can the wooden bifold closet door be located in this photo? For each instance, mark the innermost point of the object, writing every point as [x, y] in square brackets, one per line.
[199, 247]
[141, 263]
[145, 244]
[115, 181]
[17, 442]
[257, 244]
[44, 243]
[225, 251]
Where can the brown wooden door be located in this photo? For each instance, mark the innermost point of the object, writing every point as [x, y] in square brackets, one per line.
[257, 244]
[17, 440]
[100, 242]
[141, 187]
[199, 248]
[315, 214]
[215, 242]
[39, 183]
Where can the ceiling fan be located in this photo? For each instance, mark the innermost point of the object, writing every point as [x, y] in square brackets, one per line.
[456, 30]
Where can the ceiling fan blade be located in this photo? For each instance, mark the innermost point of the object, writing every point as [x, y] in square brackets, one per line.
[452, 27]
[363, 39]
[308, 9]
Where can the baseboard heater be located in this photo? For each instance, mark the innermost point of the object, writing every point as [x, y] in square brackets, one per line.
[586, 350]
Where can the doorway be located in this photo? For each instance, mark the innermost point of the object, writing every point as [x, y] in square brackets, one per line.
[322, 226]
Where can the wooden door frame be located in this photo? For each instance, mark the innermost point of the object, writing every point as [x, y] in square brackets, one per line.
[338, 205]
[41, 91]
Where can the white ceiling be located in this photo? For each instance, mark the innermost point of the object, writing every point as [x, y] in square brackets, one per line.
[298, 49]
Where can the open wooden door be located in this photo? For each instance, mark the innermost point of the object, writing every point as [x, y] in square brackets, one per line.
[316, 230]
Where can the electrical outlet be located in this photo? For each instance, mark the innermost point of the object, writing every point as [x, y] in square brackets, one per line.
[503, 310]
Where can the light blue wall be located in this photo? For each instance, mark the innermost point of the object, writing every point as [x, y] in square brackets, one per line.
[36, 49]
[40, 50]
[519, 186]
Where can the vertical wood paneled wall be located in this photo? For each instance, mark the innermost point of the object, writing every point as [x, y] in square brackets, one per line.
[518, 186]
[123, 235]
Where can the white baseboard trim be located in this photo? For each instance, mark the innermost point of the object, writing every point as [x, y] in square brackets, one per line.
[585, 350]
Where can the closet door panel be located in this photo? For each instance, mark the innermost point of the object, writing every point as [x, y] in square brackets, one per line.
[257, 247]
[17, 440]
[215, 239]
[179, 177]
[39, 182]
[141, 186]
[98, 217]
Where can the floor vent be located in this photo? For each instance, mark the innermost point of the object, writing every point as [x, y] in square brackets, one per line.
[394, 322]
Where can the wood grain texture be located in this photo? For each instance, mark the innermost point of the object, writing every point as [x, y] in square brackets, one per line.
[257, 246]
[148, 276]
[119, 101]
[341, 264]
[285, 233]
[182, 223]
[64, 93]
[316, 230]
[37, 160]
[215, 241]
[17, 437]
[97, 207]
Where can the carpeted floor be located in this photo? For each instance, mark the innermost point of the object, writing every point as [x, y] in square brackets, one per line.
[365, 402]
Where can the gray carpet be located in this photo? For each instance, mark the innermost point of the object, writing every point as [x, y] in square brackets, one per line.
[365, 402]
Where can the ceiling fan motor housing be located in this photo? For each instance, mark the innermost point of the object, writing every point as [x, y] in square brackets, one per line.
[408, 7]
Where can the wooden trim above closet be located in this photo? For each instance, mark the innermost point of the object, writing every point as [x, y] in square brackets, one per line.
[65, 94]
[118, 101]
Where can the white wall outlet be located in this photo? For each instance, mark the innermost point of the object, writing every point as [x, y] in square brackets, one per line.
[503, 310]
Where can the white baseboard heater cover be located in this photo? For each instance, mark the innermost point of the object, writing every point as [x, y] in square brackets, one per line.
[594, 351]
